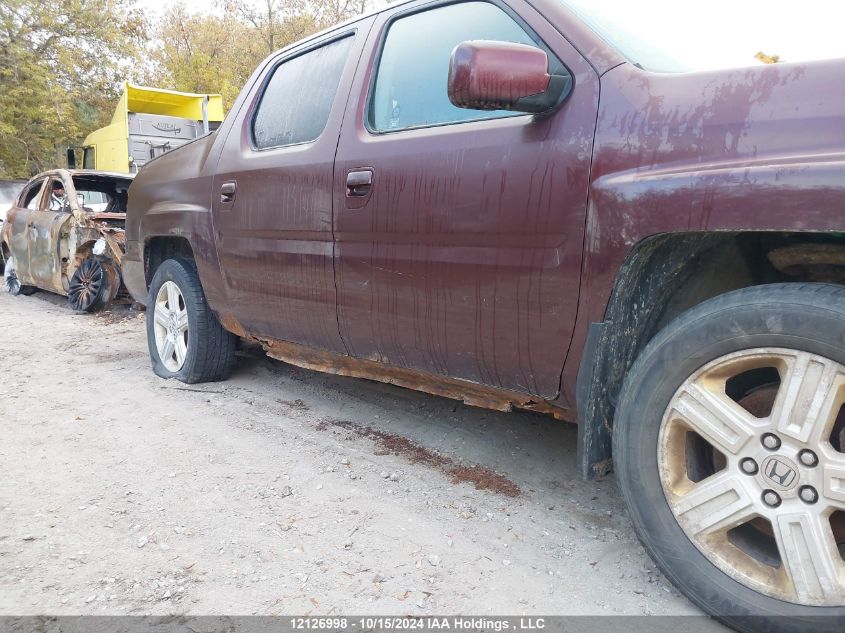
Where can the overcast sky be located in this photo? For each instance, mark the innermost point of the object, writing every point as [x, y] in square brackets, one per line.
[716, 33]
[727, 32]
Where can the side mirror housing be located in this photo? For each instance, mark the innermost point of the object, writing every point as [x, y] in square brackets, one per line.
[71, 158]
[486, 75]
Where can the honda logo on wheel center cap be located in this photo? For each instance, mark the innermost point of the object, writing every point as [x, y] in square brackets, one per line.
[779, 472]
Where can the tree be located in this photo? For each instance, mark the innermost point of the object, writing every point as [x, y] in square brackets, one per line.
[217, 52]
[202, 53]
[59, 71]
[62, 65]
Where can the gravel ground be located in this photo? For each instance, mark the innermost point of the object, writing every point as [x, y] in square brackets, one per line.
[284, 491]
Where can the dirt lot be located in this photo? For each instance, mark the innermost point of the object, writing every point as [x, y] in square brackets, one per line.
[284, 491]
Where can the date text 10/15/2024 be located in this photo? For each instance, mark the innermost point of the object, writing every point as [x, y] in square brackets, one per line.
[433, 623]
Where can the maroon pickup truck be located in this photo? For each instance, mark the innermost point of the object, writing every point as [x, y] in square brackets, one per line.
[511, 204]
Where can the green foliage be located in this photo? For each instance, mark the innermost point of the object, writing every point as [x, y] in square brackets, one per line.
[60, 66]
[219, 50]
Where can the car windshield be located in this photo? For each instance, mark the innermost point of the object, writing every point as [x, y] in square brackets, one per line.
[672, 36]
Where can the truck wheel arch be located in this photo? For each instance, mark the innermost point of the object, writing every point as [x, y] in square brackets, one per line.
[661, 277]
[158, 249]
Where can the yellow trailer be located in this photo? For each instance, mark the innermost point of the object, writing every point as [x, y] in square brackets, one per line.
[148, 122]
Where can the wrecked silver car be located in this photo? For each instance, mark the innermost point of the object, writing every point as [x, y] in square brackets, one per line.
[65, 234]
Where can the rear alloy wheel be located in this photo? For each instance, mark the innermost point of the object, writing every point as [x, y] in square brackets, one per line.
[185, 339]
[170, 322]
[729, 447]
[11, 281]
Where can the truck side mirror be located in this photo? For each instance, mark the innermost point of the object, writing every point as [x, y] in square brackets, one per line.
[486, 75]
[71, 158]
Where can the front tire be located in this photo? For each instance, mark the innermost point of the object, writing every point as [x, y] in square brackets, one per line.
[729, 448]
[92, 286]
[185, 339]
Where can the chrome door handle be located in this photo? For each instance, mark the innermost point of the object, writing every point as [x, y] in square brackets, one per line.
[227, 192]
[359, 183]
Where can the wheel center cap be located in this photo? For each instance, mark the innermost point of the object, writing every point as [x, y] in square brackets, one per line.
[779, 472]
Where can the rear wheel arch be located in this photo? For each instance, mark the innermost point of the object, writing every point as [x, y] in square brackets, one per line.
[158, 249]
[663, 276]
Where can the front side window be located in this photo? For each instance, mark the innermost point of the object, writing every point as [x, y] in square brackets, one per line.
[411, 87]
[298, 98]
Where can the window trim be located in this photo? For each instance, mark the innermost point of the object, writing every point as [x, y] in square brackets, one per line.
[268, 76]
[433, 6]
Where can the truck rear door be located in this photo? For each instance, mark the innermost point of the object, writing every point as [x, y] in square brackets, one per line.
[272, 193]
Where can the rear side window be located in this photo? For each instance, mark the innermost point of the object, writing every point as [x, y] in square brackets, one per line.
[411, 84]
[30, 198]
[298, 97]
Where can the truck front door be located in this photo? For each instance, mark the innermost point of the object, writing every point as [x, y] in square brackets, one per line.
[459, 232]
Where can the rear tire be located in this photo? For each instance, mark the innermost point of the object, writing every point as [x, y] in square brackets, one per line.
[12, 283]
[184, 336]
[712, 466]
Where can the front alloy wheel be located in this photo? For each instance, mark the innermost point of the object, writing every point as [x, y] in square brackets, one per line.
[751, 464]
[729, 448]
[91, 284]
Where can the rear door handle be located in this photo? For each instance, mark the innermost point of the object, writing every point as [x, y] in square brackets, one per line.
[359, 183]
[227, 192]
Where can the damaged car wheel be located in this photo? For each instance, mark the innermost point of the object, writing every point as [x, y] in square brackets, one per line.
[91, 287]
[12, 282]
[185, 339]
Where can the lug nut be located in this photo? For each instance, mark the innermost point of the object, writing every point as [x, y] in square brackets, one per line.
[771, 498]
[808, 494]
[748, 466]
[808, 458]
[770, 441]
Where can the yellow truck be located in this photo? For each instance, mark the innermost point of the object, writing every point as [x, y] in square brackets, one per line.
[148, 122]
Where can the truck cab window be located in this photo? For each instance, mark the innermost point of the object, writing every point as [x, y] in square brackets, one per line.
[298, 97]
[411, 82]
